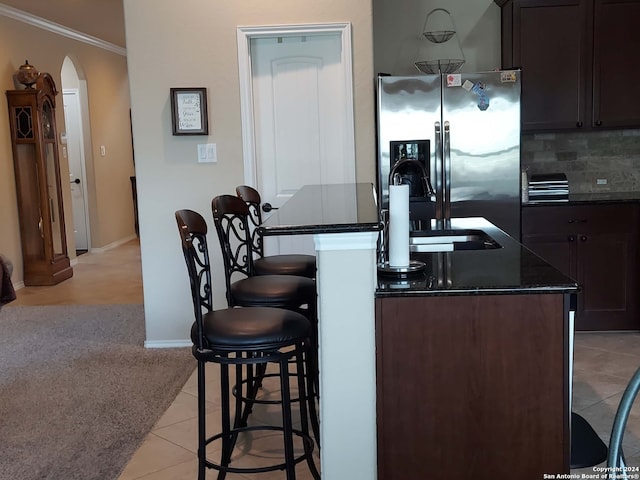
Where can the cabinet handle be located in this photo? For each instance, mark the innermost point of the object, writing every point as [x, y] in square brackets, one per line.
[583, 238]
[579, 124]
[598, 123]
[571, 238]
[576, 220]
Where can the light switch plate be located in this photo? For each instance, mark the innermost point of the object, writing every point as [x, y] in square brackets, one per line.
[207, 153]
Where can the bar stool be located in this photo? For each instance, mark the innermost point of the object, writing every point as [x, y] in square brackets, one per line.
[244, 288]
[242, 337]
[285, 264]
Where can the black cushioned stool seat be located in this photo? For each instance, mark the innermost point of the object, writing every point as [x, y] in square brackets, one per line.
[286, 264]
[250, 328]
[272, 290]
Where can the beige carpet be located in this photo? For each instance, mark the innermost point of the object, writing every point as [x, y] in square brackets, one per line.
[78, 391]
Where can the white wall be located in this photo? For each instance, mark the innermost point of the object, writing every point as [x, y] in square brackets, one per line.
[398, 41]
[195, 46]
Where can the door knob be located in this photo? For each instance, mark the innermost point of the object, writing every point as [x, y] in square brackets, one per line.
[76, 181]
[267, 207]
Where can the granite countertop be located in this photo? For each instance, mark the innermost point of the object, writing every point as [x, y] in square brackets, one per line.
[349, 208]
[314, 209]
[592, 198]
[511, 269]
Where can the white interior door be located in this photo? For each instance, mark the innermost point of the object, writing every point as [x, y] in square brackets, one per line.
[75, 154]
[303, 123]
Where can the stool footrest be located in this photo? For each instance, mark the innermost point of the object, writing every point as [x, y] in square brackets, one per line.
[233, 433]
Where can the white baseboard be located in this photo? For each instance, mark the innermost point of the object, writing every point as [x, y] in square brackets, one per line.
[17, 286]
[112, 245]
[167, 343]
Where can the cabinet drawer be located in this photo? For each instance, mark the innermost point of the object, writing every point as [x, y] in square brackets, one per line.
[575, 219]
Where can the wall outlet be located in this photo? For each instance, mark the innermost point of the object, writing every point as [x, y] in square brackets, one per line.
[601, 181]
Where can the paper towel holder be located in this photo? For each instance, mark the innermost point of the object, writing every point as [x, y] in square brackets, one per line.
[415, 266]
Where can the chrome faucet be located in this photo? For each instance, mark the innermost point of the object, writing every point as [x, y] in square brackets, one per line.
[428, 190]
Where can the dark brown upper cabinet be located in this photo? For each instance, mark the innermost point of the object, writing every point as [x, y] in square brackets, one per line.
[577, 61]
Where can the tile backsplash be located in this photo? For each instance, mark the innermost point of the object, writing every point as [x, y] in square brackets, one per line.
[587, 158]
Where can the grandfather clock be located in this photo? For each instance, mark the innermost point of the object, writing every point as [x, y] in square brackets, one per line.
[38, 184]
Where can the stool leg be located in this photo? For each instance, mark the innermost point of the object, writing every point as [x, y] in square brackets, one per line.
[301, 352]
[202, 434]
[312, 315]
[312, 362]
[311, 379]
[254, 383]
[287, 423]
[227, 441]
[240, 417]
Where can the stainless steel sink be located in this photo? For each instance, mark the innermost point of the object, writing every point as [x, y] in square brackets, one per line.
[450, 240]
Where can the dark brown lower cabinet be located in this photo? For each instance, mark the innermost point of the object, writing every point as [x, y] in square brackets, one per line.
[597, 245]
[472, 387]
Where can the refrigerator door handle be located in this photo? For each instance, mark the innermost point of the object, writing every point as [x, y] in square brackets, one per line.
[447, 171]
[438, 170]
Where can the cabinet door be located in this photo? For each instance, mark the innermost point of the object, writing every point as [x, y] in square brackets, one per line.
[551, 47]
[597, 246]
[616, 102]
[606, 269]
[557, 249]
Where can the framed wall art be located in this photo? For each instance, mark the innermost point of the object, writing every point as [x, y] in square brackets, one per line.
[189, 111]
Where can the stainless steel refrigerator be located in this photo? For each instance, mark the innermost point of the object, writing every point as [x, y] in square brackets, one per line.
[464, 130]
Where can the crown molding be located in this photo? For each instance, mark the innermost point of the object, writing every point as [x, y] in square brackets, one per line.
[58, 29]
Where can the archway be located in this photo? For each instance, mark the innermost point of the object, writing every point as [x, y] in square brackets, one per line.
[76, 150]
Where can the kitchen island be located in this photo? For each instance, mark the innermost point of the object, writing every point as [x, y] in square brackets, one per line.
[473, 353]
[474, 364]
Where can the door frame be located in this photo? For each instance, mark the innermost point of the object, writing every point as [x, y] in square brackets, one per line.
[244, 36]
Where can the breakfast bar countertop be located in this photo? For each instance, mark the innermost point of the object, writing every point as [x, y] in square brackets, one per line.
[511, 269]
[332, 208]
[351, 208]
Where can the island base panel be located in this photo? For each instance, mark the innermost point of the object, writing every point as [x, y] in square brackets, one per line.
[472, 387]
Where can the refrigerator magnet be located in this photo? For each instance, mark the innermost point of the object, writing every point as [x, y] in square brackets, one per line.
[467, 85]
[478, 89]
[483, 103]
[508, 77]
[454, 80]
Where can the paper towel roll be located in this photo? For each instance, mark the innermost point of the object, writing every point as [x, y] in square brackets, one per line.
[398, 225]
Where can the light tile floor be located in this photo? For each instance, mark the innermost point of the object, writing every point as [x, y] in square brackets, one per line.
[603, 365]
